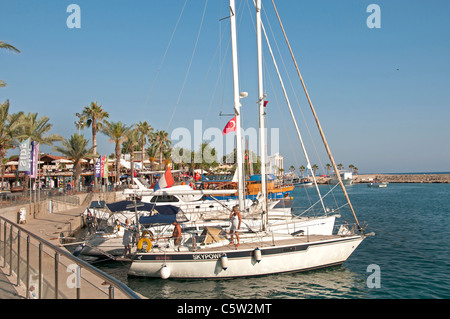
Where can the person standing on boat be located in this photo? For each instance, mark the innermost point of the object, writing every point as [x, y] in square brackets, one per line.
[127, 238]
[236, 219]
[176, 235]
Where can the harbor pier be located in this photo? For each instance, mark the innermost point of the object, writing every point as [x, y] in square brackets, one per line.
[403, 178]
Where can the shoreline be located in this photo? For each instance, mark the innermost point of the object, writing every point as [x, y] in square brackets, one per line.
[395, 178]
[403, 178]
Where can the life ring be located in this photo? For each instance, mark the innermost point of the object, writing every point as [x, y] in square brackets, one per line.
[141, 242]
[147, 234]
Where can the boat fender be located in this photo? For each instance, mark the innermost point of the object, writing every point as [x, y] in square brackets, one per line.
[224, 261]
[164, 272]
[78, 250]
[257, 254]
[141, 243]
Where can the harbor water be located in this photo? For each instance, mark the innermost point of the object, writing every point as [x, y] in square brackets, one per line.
[408, 258]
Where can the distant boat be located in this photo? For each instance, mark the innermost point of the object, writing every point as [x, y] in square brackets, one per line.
[377, 184]
[346, 177]
[275, 190]
[305, 182]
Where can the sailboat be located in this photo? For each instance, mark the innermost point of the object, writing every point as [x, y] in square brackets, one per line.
[211, 254]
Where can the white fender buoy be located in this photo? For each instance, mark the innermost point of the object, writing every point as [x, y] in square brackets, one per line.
[257, 254]
[164, 272]
[224, 261]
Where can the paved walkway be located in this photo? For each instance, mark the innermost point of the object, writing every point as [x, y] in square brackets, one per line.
[47, 227]
[7, 289]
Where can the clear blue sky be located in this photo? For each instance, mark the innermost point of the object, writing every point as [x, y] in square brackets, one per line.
[382, 95]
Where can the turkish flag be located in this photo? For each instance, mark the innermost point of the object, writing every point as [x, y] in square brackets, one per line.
[231, 126]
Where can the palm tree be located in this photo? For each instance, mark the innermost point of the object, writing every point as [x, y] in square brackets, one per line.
[76, 149]
[37, 130]
[145, 130]
[133, 140]
[151, 152]
[315, 168]
[116, 131]
[9, 47]
[8, 126]
[6, 46]
[301, 169]
[292, 169]
[352, 167]
[93, 116]
[167, 155]
[162, 141]
[328, 167]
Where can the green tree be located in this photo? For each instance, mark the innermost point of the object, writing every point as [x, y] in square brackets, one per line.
[132, 139]
[152, 151]
[93, 116]
[37, 129]
[116, 131]
[145, 132]
[328, 168]
[8, 47]
[301, 169]
[161, 140]
[76, 149]
[9, 124]
[315, 168]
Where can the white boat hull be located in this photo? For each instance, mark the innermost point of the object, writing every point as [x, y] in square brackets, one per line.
[377, 185]
[291, 257]
[112, 244]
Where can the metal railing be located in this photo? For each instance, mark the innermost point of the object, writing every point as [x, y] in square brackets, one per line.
[49, 272]
[57, 194]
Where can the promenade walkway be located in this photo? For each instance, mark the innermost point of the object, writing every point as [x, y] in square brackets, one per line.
[49, 227]
[8, 290]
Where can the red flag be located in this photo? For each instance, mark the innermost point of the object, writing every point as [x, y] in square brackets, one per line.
[265, 103]
[230, 127]
[102, 167]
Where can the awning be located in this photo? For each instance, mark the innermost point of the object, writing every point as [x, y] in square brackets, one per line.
[122, 205]
[257, 178]
[164, 214]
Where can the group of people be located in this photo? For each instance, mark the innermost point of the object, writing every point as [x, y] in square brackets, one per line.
[235, 219]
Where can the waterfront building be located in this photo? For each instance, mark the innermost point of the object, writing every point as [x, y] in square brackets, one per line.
[276, 164]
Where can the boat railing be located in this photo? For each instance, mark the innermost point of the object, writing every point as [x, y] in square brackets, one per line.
[45, 271]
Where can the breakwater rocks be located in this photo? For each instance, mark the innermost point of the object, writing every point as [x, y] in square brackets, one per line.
[403, 178]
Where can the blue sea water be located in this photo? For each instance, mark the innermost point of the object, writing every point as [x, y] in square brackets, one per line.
[411, 248]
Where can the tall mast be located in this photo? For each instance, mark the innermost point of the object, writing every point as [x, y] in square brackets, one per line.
[237, 105]
[308, 162]
[330, 156]
[261, 96]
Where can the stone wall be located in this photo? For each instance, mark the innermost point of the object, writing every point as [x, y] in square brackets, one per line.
[404, 178]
